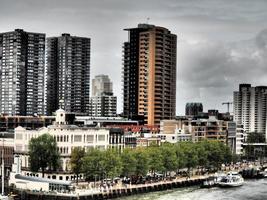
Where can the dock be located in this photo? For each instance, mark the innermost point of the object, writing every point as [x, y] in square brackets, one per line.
[114, 192]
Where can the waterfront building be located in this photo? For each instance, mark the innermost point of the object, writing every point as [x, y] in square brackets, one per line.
[68, 74]
[250, 108]
[117, 122]
[102, 102]
[193, 109]
[130, 140]
[9, 123]
[149, 74]
[137, 129]
[170, 126]
[178, 136]
[210, 129]
[67, 136]
[22, 68]
[35, 183]
[116, 139]
[147, 141]
[205, 126]
[240, 139]
[7, 146]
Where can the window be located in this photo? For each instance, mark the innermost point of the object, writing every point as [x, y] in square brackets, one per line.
[19, 136]
[101, 138]
[90, 138]
[77, 138]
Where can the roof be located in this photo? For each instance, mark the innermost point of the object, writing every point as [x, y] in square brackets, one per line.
[43, 180]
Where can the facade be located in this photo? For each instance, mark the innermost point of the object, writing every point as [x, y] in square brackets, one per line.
[149, 74]
[103, 106]
[7, 147]
[117, 122]
[22, 68]
[170, 126]
[9, 123]
[193, 109]
[35, 183]
[240, 139]
[116, 139]
[250, 104]
[67, 137]
[101, 84]
[102, 102]
[68, 74]
[210, 129]
[206, 126]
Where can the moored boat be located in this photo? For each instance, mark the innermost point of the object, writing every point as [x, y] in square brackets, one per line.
[232, 179]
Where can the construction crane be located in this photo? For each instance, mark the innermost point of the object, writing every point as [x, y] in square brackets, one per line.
[228, 105]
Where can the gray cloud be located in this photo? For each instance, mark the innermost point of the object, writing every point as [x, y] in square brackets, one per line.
[216, 69]
[215, 52]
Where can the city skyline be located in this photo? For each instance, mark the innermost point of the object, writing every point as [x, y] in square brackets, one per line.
[220, 43]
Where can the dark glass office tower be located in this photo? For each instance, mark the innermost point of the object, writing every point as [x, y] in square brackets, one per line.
[22, 56]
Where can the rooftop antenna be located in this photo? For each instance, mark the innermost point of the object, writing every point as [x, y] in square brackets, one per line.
[147, 20]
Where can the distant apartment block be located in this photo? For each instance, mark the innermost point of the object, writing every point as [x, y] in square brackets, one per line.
[193, 109]
[68, 74]
[102, 102]
[22, 67]
[250, 104]
[149, 74]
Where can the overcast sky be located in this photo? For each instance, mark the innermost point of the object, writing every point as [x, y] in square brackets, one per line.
[221, 43]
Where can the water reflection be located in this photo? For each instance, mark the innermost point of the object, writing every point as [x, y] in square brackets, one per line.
[251, 190]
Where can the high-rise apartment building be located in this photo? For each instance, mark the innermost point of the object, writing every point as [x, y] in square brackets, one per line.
[22, 57]
[68, 74]
[250, 105]
[102, 102]
[149, 74]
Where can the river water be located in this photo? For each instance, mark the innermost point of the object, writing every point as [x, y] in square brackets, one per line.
[251, 190]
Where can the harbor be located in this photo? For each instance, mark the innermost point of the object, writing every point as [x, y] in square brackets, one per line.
[120, 191]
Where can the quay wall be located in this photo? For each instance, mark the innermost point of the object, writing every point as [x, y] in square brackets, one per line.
[114, 193]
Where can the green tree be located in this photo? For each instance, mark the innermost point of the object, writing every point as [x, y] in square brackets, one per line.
[94, 164]
[76, 161]
[255, 137]
[43, 153]
[169, 158]
[128, 162]
[142, 164]
[112, 163]
[191, 156]
[201, 154]
[155, 159]
[180, 156]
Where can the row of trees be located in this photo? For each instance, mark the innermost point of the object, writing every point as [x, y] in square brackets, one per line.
[99, 164]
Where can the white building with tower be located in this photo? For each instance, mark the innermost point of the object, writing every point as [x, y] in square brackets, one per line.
[67, 136]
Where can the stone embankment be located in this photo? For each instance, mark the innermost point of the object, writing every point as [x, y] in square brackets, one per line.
[114, 192]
